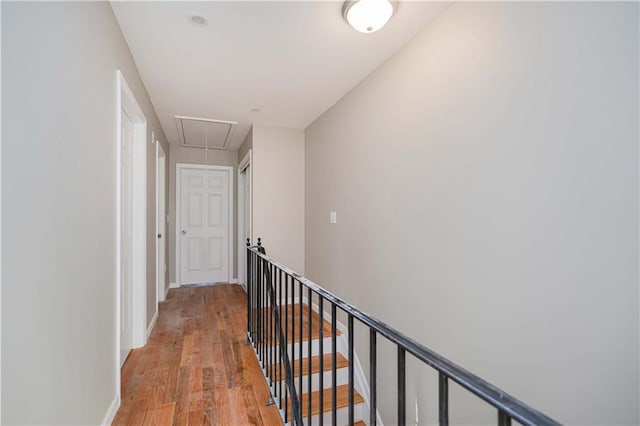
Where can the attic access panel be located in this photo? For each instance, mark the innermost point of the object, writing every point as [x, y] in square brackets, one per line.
[204, 132]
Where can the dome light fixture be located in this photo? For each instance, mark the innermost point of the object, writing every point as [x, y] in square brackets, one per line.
[367, 16]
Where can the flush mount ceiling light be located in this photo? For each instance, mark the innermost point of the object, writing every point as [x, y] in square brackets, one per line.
[367, 16]
[198, 20]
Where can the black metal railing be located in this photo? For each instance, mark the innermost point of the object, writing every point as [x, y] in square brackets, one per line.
[271, 290]
[265, 330]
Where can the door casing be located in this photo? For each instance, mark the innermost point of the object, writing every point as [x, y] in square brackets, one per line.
[178, 255]
[126, 100]
[161, 223]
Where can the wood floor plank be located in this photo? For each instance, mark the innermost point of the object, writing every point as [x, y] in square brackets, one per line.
[181, 411]
[208, 395]
[164, 414]
[138, 412]
[196, 368]
[238, 408]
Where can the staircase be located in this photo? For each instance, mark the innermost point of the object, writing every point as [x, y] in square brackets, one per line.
[316, 403]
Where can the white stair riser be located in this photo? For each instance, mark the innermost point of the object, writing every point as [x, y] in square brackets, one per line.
[342, 376]
[315, 349]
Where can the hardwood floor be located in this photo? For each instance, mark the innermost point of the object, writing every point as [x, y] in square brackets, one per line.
[196, 368]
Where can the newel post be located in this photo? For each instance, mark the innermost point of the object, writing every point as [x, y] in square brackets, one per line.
[248, 280]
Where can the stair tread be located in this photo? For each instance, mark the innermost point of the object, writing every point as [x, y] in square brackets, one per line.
[341, 362]
[293, 311]
[342, 400]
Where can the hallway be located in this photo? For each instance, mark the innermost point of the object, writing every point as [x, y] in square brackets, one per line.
[196, 368]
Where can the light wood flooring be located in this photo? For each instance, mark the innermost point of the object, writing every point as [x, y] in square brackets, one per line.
[196, 368]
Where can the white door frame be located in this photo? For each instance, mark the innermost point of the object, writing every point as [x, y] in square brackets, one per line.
[126, 100]
[179, 168]
[161, 224]
[243, 204]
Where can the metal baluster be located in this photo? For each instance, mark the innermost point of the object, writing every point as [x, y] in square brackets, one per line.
[283, 345]
[503, 419]
[293, 333]
[373, 374]
[249, 296]
[401, 387]
[321, 353]
[443, 397]
[254, 301]
[256, 295]
[253, 298]
[351, 363]
[267, 322]
[261, 304]
[248, 291]
[334, 374]
[309, 331]
[274, 330]
[286, 343]
[264, 318]
[272, 335]
[276, 335]
[300, 346]
[259, 276]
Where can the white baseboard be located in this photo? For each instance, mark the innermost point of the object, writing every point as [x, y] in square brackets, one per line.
[111, 412]
[152, 324]
[174, 285]
[233, 281]
[166, 292]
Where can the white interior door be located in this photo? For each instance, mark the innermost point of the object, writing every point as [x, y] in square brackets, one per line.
[161, 223]
[126, 238]
[204, 225]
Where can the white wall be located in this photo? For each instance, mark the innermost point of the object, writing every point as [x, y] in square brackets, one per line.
[486, 185]
[247, 144]
[59, 209]
[278, 193]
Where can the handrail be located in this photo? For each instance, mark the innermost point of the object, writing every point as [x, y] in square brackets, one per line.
[508, 406]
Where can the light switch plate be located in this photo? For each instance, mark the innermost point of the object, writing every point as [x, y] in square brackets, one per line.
[332, 217]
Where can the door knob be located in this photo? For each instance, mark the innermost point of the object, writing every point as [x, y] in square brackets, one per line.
[184, 232]
[159, 235]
